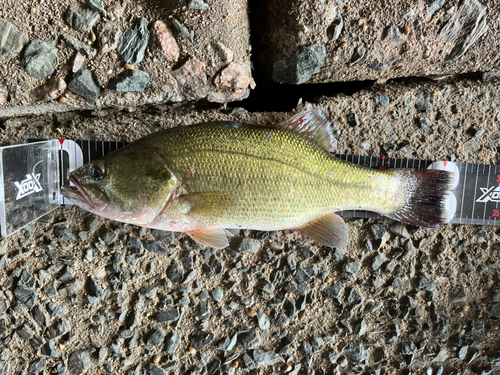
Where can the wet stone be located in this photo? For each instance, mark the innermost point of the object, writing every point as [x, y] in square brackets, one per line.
[156, 247]
[263, 320]
[175, 273]
[81, 48]
[427, 284]
[155, 337]
[49, 349]
[250, 339]
[81, 17]
[79, 362]
[26, 296]
[133, 43]
[39, 316]
[192, 78]
[249, 245]
[378, 230]
[56, 310]
[59, 328]
[65, 234]
[229, 343]
[495, 310]
[304, 274]
[37, 366]
[198, 4]
[299, 66]
[377, 261]
[218, 294]
[355, 351]
[83, 84]
[267, 358]
[164, 39]
[167, 316]
[39, 58]
[201, 339]
[458, 296]
[12, 41]
[134, 80]
[134, 245]
[172, 343]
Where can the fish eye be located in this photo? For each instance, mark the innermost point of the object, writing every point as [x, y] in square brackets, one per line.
[98, 173]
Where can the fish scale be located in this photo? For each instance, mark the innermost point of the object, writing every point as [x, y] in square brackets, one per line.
[275, 179]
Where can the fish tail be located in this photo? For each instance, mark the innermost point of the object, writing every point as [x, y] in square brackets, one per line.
[422, 198]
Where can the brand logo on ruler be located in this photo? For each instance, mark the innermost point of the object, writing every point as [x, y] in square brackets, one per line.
[28, 186]
[490, 195]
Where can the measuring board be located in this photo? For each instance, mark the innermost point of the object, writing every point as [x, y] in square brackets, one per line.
[475, 199]
[31, 176]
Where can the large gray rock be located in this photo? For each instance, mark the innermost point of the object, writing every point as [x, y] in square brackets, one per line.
[83, 84]
[12, 41]
[39, 58]
[81, 17]
[133, 43]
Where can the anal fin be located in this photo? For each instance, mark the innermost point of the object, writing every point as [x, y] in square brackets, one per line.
[211, 237]
[330, 230]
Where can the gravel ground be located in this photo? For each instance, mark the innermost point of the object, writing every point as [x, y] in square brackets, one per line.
[83, 294]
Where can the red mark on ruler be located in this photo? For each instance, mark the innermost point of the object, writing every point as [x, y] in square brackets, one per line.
[445, 163]
[496, 213]
[61, 141]
[498, 178]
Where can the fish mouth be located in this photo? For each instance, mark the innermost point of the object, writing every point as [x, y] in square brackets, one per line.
[77, 194]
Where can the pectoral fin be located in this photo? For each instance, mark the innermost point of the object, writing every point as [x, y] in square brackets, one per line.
[206, 203]
[330, 230]
[211, 237]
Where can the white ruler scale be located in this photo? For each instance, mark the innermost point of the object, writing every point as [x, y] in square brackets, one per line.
[31, 176]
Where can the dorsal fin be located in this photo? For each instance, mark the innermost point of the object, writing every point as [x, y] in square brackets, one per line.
[313, 125]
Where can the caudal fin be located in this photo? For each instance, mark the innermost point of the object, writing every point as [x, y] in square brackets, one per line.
[424, 197]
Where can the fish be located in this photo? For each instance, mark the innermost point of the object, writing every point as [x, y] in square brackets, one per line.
[204, 179]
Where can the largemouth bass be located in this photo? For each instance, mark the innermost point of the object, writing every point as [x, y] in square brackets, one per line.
[203, 179]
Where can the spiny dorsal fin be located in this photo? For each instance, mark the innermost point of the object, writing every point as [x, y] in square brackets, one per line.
[313, 125]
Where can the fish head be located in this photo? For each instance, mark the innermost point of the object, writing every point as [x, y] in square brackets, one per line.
[126, 186]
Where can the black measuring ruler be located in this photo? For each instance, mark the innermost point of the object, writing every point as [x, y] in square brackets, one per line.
[475, 200]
